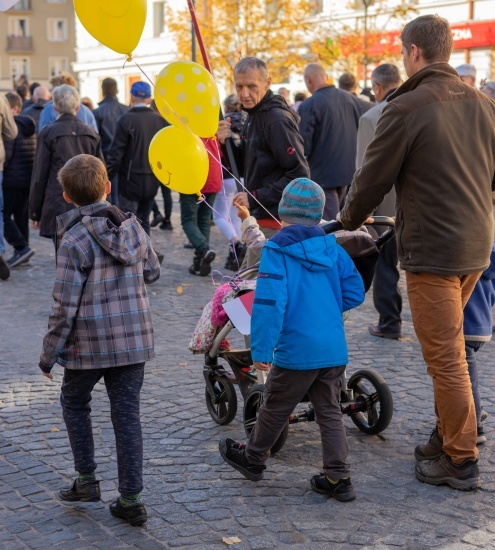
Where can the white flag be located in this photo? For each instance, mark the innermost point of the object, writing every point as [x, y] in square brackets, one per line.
[7, 4]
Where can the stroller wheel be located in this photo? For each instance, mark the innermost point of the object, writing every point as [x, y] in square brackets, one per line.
[252, 404]
[223, 405]
[371, 389]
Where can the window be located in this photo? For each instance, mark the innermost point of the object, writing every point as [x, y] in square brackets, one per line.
[18, 26]
[19, 67]
[57, 29]
[56, 1]
[158, 18]
[57, 65]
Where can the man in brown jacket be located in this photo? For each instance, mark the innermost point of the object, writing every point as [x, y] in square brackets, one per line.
[444, 180]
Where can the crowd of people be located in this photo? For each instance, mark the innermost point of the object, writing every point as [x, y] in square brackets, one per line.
[404, 154]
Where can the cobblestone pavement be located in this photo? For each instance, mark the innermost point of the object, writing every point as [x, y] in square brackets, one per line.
[194, 499]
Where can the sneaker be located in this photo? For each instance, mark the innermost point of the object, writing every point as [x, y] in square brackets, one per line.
[430, 450]
[157, 218]
[484, 416]
[160, 257]
[20, 257]
[481, 436]
[4, 269]
[341, 490]
[442, 471]
[240, 251]
[135, 514]
[194, 269]
[81, 492]
[166, 225]
[204, 264]
[235, 454]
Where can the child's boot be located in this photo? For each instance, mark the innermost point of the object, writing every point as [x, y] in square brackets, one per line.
[130, 508]
[235, 454]
[84, 489]
[340, 489]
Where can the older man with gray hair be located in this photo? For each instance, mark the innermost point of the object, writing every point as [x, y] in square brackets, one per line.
[58, 142]
[467, 74]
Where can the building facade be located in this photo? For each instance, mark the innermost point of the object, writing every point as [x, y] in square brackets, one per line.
[38, 41]
[96, 62]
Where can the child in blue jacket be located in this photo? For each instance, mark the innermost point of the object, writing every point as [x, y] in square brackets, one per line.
[305, 282]
[478, 326]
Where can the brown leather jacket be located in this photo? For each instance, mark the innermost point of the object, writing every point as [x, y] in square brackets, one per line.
[436, 141]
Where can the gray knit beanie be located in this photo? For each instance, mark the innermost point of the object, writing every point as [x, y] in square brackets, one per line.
[302, 202]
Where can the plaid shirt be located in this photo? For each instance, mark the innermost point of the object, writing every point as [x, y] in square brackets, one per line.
[101, 317]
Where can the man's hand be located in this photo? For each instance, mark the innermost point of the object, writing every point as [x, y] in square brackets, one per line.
[34, 225]
[242, 211]
[338, 218]
[261, 366]
[223, 131]
[49, 375]
[242, 199]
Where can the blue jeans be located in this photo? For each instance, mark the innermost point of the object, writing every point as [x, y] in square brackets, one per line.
[471, 349]
[2, 244]
[123, 386]
[195, 218]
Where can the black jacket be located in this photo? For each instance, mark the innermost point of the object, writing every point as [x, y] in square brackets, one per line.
[273, 153]
[34, 111]
[106, 116]
[57, 143]
[128, 153]
[329, 124]
[19, 154]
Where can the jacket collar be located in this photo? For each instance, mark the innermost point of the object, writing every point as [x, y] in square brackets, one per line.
[269, 94]
[435, 71]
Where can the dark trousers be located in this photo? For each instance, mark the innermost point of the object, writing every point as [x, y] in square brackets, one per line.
[167, 203]
[284, 389]
[114, 193]
[123, 386]
[472, 347]
[142, 210]
[387, 297]
[15, 216]
[195, 218]
[333, 200]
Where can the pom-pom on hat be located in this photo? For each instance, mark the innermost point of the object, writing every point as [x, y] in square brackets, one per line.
[302, 202]
[141, 89]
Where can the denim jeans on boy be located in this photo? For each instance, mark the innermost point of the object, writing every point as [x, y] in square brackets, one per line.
[195, 218]
[123, 386]
[472, 348]
[284, 389]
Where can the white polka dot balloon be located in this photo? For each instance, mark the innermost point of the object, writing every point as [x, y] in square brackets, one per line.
[192, 94]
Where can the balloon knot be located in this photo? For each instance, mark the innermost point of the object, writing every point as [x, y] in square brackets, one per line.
[129, 58]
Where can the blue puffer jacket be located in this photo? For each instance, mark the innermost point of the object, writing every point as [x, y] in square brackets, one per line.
[478, 317]
[305, 282]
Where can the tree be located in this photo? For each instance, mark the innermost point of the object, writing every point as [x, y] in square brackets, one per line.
[273, 30]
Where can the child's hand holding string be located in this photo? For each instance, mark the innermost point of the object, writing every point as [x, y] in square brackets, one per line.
[242, 211]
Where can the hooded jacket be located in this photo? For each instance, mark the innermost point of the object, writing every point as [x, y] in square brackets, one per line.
[435, 141]
[273, 153]
[478, 316]
[19, 154]
[305, 282]
[101, 317]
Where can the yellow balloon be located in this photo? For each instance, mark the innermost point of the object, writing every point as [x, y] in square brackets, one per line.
[179, 160]
[190, 91]
[118, 24]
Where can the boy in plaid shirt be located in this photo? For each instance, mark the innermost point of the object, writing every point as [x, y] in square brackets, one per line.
[101, 328]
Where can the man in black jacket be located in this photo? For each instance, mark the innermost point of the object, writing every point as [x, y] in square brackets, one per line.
[272, 147]
[329, 123]
[128, 154]
[106, 115]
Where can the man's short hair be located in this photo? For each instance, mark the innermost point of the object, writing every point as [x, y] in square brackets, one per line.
[66, 99]
[248, 63]
[22, 90]
[63, 78]
[83, 178]
[109, 87]
[466, 70]
[430, 33]
[33, 87]
[14, 99]
[347, 82]
[387, 75]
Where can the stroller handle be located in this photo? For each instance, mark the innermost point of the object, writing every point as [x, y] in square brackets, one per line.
[332, 227]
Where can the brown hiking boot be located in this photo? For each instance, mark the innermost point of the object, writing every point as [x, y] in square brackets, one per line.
[442, 471]
[430, 450]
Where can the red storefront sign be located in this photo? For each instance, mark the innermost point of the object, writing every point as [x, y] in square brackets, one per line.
[474, 34]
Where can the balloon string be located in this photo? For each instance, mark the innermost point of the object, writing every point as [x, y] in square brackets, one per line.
[138, 66]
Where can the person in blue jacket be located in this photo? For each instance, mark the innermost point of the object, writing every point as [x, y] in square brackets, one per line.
[478, 326]
[305, 283]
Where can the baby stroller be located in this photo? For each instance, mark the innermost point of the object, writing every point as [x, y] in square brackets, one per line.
[365, 397]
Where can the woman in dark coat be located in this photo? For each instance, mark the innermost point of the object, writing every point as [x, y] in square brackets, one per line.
[57, 143]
